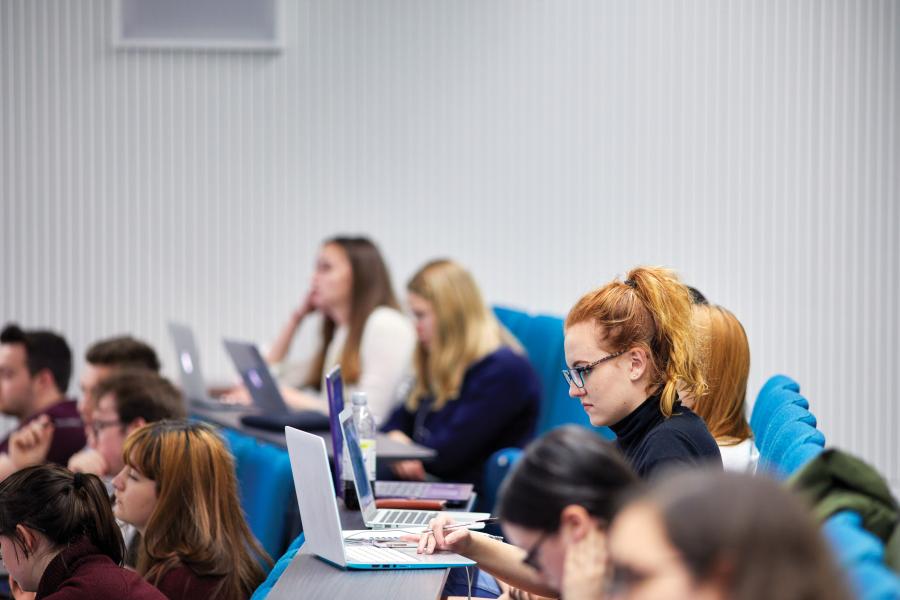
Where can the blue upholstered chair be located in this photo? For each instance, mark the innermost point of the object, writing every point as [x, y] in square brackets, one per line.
[796, 430]
[266, 488]
[861, 554]
[542, 337]
[777, 391]
[798, 455]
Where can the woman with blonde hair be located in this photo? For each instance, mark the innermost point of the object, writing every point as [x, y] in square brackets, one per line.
[474, 391]
[726, 366]
[361, 328]
[628, 344]
[179, 489]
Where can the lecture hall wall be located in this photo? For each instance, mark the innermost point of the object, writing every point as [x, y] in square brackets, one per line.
[751, 145]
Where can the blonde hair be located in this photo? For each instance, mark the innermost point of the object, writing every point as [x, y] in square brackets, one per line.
[651, 310]
[465, 331]
[197, 521]
[726, 366]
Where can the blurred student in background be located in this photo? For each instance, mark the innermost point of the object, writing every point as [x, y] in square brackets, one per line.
[362, 329]
[35, 368]
[726, 366]
[717, 536]
[474, 393]
[179, 489]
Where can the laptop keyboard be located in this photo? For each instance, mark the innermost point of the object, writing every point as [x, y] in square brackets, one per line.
[397, 488]
[408, 517]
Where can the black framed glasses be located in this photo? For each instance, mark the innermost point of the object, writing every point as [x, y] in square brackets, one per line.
[531, 557]
[576, 376]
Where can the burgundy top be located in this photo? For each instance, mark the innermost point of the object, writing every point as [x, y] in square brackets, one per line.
[68, 433]
[81, 572]
[181, 583]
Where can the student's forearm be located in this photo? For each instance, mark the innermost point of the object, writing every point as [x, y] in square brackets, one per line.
[283, 342]
[504, 561]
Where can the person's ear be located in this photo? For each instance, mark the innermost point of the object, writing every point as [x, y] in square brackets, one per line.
[43, 379]
[28, 537]
[575, 522]
[136, 424]
[639, 362]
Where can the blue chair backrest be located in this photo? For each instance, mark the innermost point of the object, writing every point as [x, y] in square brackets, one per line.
[266, 488]
[542, 338]
[791, 434]
[861, 554]
[778, 390]
[800, 454]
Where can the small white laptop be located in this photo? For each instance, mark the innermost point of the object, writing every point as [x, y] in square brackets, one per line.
[381, 518]
[322, 526]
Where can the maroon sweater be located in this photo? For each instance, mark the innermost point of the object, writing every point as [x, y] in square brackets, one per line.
[81, 572]
[68, 434]
[181, 583]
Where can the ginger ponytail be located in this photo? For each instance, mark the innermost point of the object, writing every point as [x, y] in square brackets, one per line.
[651, 309]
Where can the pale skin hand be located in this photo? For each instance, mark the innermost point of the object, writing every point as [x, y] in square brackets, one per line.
[30, 445]
[412, 470]
[88, 461]
[584, 570]
[283, 343]
[502, 560]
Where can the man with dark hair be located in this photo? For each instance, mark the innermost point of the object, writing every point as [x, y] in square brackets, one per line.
[35, 368]
[103, 358]
[127, 400]
[107, 356]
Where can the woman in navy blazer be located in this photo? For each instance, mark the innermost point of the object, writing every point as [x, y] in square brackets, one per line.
[475, 392]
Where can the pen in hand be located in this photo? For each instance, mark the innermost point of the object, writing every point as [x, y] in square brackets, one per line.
[463, 525]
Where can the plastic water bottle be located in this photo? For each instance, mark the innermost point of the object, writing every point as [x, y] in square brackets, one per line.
[364, 421]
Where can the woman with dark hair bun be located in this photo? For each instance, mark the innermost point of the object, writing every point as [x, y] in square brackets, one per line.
[555, 507]
[58, 537]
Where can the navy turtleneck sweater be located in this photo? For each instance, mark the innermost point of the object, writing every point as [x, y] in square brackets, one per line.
[650, 441]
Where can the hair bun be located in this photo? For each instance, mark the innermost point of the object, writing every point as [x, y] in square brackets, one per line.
[78, 481]
[631, 283]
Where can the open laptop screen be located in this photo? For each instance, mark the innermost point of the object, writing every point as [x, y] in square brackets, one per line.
[357, 462]
[334, 386]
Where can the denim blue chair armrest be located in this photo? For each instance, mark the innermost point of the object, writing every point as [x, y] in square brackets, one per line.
[263, 590]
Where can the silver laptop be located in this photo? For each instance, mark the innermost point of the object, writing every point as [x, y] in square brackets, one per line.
[380, 518]
[192, 383]
[322, 525]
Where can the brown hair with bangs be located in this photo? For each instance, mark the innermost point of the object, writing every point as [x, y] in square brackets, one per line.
[197, 521]
[370, 288]
[651, 310]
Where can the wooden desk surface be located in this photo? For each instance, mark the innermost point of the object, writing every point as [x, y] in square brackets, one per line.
[388, 449]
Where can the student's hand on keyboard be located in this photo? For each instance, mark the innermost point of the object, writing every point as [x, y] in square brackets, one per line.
[457, 540]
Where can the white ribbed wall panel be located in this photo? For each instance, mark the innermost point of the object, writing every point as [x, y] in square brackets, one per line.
[752, 145]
